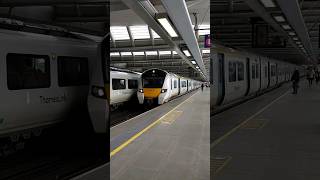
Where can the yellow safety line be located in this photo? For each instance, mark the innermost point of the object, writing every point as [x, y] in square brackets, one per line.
[119, 148]
[244, 122]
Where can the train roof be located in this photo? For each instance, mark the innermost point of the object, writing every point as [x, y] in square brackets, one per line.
[39, 29]
[124, 70]
[168, 73]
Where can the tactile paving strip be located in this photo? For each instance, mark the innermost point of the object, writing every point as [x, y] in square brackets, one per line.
[254, 124]
[171, 117]
[217, 163]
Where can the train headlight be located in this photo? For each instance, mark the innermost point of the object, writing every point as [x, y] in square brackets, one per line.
[163, 90]
[141, 90]
[98, 91]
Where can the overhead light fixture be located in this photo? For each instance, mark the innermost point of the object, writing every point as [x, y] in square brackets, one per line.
[279, 18]
[197, 67]
[295, 39]
[114, 54]
[151, 53]
[187, 53]
[174, 52]
[268, 3]
[300, 46]
[298, 42]
[165, 52]
[138, 53]
[126, 54]
[168, 27]
[292, 33]
[193, 62]
[286, 27]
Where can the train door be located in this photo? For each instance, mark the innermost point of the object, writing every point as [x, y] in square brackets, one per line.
[179, 86]
[221, 79]
[248, 76]
[187, 85]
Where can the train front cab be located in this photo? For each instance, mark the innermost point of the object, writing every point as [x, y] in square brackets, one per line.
[98, 97]
[156, 85]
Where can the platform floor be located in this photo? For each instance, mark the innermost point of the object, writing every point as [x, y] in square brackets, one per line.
[169, 142]
[279, 140]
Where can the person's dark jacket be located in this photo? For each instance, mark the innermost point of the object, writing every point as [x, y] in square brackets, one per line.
[295, 76]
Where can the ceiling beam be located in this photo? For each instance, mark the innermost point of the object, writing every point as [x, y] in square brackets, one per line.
[16, 3]
[291, 10]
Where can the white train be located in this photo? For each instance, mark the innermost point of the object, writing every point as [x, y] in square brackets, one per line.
[236, 74]
[44, 78]
[160, 85]
[124, 85]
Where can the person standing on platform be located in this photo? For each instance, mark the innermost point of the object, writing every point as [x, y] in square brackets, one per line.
[202, 87]
[295, 81]
[310, 75]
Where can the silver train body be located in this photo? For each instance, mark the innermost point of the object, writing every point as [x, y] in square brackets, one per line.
[124, 85]
[236, 74]
[161, 86]
[44, 78]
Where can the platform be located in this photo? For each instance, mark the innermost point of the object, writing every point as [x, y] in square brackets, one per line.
[278, 140]
[167, 142]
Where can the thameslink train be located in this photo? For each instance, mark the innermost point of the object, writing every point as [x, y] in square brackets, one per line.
[161, 86]
[236, 74]
[124, 85]
[43, 78]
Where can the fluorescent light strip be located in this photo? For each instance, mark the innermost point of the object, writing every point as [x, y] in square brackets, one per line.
[167, 26]
[279, 18]
[138, 53]
[187, 53]
[114, 54]
[197, 67]
[151, 53]
[268, 3]
[140, 32]
[292, 33]
[165, 52]
[174, 52]
[286, 27]
[295, 39]
[126, 54]
[193, 62]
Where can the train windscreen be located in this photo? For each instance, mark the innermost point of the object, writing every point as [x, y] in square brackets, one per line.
[153, 78]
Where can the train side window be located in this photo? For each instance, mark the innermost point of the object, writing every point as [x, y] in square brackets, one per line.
[253, 71]
[132, 84]
[175, 84]
[183, 84]
[232, 72]
[118, 84]
[73, 71]
[240, 71]
[257, 71]
[27, 71]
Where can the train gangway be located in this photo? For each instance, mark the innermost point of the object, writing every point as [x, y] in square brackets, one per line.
[167, 142]
[278, 140]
